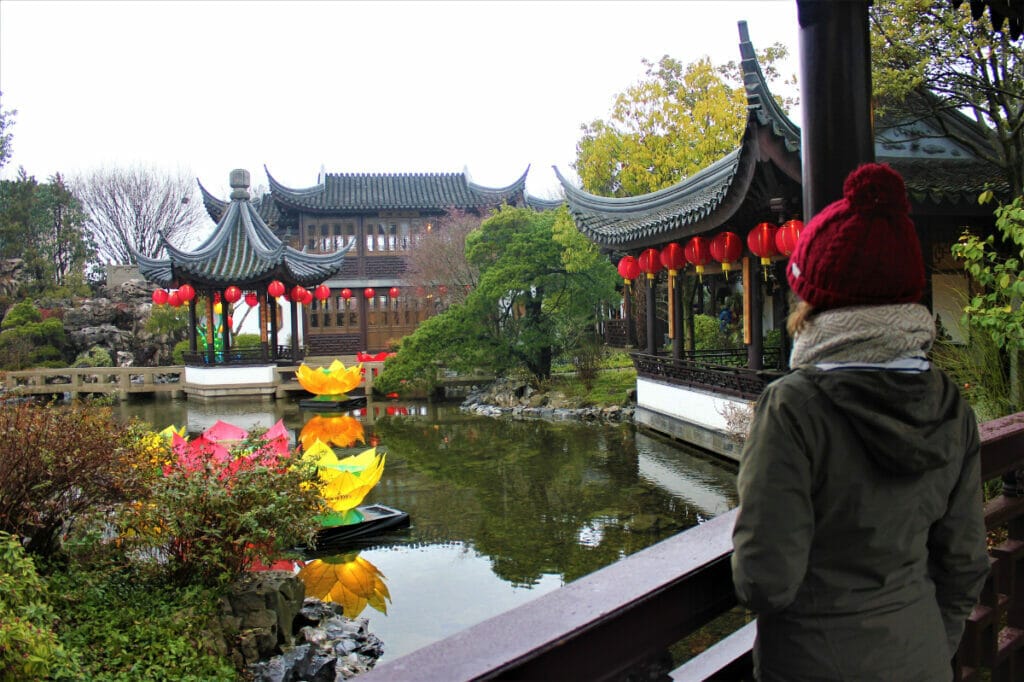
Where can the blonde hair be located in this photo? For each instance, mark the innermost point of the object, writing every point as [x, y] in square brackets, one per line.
[798, 318]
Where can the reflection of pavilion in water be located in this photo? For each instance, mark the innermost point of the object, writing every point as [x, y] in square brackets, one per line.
[703, 484]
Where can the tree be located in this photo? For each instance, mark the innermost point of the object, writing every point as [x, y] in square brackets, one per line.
[995, 266]
[439, 257]
[130, 208]
[6, 122]
[43, 226]
[923, 46]
[541, 289]
[672, 123]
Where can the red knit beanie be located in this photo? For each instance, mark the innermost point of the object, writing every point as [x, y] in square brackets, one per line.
[861, 249]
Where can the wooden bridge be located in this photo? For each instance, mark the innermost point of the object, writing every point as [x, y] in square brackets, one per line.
[625, 617]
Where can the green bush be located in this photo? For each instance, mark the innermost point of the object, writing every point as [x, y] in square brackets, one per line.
[124, 627]
[29, 648]
[178, 354]
[28, 340]
[243, 341]
[97, 356]
[706, 333]
[163, 319]
[978, 369]
[209, 518]
[59, 462]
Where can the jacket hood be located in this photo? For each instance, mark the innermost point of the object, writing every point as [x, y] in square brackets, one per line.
[907, 421]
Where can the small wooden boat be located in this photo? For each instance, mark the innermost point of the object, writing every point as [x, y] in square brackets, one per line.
[332, 405]
[377, 519]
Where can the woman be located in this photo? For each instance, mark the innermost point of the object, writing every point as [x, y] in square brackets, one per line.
[860, 540]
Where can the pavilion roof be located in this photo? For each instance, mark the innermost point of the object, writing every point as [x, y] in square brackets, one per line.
[712, 196]
[363, 192]
[265, 206]
[941, 173]
[242, 250]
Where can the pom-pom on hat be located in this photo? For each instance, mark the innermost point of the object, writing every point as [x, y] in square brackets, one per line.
[861, 249]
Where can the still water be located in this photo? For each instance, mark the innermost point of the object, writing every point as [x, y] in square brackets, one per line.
[501, 511]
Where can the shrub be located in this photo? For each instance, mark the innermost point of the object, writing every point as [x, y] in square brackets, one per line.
[178, 354]
[29, 648]
[58, 462]
[122, 626]
[163, 319]
[210, 518]
[243, 341]
[706, 333]
[28, 340]
[587, 361]
[978, 369]
[97, 356]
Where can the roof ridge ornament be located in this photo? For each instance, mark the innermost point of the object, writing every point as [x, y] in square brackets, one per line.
[239, 181]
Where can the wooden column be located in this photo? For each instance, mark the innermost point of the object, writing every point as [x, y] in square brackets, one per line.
[272, 311]
[676, 315]
[627, 312]
[211, 356]
[835, 75]
[225, 329]
[295, 331]
[652, 346]
[264, 314]
[753, 309]
[193, 341]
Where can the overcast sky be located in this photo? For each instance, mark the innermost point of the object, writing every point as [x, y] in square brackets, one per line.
[352, 87]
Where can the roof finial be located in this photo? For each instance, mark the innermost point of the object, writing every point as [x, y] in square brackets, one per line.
[239, 180]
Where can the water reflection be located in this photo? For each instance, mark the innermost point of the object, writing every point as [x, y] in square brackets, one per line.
[501, 510]
[347, 579]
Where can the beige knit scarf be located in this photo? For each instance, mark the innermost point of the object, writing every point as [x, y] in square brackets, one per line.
[873, 334]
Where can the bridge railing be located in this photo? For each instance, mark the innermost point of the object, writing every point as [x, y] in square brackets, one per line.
[623, 618]
[79, 380]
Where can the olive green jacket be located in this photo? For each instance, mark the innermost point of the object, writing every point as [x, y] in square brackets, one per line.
[860, 540]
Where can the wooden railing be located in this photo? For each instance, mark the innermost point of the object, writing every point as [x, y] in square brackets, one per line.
[722, 371]
[241, 357]
[624, 617]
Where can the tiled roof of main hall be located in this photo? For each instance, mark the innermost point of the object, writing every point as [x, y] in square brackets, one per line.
[363, 192]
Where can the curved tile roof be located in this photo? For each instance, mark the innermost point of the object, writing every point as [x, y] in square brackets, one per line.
[362, 192]
[706, 199]
[242, 250]
[215, 207]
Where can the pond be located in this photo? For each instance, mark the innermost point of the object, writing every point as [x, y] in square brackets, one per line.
[501, 510]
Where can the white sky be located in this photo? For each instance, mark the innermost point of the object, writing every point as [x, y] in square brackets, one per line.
[205, 87]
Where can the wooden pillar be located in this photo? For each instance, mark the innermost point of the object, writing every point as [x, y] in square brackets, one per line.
[753, 309]
[225, 329]
[676, 303]
[835, 82]
[295, 331]
[781, 304]
[627, 312]
[264, 314]
[272, 312]
[652, 346]
[193, 341]
[211, 356]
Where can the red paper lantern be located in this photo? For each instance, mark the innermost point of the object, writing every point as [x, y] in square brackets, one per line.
[346, 294]
[322, 292]
[275, 289]
[174, 300]
[159, 297]
[787, 236]
[442, 289]
[232, 294]
[186, 292]
[698, 252]
[672, 257]
[393, 292]
[298, 293]
[231, 322]
[726, 248]
[251, 299]
[761, 241]
[369, 293]
[307, 297]
[650, 262]
[628, 268]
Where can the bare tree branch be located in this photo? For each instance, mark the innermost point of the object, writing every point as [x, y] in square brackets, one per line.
[130, 208]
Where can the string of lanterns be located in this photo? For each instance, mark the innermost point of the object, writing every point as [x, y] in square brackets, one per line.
[276, 289]
[765, 241]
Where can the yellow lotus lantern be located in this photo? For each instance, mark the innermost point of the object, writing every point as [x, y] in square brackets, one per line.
[330, 382]
[344, 482]
[348, 580]
[342, 431]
